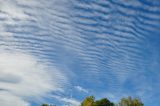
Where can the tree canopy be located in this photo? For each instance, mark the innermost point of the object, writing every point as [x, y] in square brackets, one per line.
[130, 102]
[44, 105]
[90, 101]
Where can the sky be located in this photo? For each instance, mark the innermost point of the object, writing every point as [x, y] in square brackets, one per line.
[60, 51]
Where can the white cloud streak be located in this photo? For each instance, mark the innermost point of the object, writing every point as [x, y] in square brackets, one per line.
[7, 99]
[11, 9]
[81, 89]
[23, 77]
[68, 101]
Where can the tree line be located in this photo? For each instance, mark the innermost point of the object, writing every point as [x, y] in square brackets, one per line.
[90, 101]
[129, 101]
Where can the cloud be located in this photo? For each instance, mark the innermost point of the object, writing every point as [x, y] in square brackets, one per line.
[81, 89]
[7, 99]
[70, 101]
[11, 9]
[22, 77]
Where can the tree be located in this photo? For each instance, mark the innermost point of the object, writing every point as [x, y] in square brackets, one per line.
[44, 105]
[130, 102]
[103, 102]
[88, 101]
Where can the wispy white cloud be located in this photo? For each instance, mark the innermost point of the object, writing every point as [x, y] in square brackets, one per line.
[68, 101]
[11, 9]
[8, 99]
[23, 77]
[81, 89]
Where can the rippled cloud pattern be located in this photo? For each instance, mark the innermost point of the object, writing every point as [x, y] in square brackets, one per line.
[63, 50]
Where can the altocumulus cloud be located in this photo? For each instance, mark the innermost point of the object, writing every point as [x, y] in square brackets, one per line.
[23, 77]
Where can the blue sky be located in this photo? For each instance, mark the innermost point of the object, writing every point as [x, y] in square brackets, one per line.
[60, 51]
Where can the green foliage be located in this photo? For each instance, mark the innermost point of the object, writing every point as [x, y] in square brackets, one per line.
[130, 102]
[103, 102]
[44, 105]
[90, 101]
